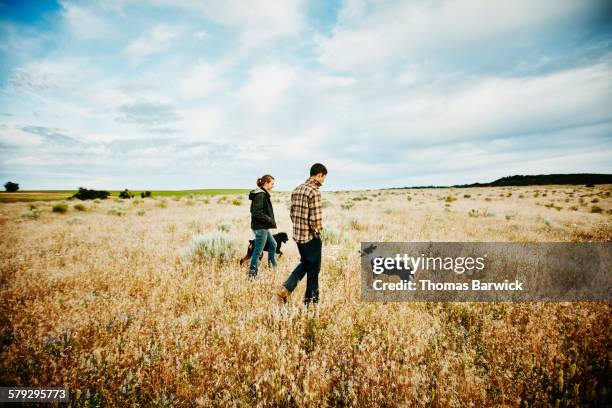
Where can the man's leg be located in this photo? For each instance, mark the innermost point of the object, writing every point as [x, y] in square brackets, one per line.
[312, 279]
[260, 240]
[300, 270]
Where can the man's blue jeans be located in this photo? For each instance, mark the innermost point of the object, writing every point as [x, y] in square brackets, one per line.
[310, 265]
[261, 237]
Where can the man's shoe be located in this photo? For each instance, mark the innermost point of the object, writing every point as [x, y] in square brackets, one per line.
[282, 295]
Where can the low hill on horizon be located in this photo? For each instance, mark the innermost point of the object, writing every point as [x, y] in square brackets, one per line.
[536, 180]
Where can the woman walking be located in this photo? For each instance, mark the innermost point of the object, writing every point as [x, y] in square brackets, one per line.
[262, 219]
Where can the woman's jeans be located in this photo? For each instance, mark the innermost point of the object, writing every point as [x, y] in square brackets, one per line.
[262, 236]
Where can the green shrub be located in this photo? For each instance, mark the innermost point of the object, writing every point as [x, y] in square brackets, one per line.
[74, 220]
[126, 194]
[212, 246]
[223, 227]
[347, 205]
[79, 207]
[466, 196]
[189, 202]
[141, 211]
[85, 194]
[116, 211]
[330, 235]
[60, 208]
[31, 214]
[237, 201]
[595, 209]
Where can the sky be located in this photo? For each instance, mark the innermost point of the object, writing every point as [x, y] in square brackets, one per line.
[165, 94]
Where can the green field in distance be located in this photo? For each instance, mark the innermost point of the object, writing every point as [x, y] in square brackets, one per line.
[52, 195]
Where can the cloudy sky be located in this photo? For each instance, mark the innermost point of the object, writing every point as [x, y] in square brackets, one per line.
[166, 94]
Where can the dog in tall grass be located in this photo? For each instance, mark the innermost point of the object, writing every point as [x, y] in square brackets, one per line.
[280, 239]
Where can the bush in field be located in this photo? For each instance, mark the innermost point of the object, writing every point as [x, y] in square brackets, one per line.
[223, 227]
[145, 194]
[466, 196]
[189, 202]
[97, 201]
[59, 208]
[141, 211]
[115, 211]
[596, 209]
[74, 220]
[330, 235]
[347, 205]
[210, 246]
[449, 199]
[163, 204]
[85, 194]
[126, 194]
[79, 207]
[355, 224]
[31, 214]
[11, 187]
[237, 201]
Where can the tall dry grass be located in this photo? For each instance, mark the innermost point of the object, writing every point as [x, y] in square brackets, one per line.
[111, 308]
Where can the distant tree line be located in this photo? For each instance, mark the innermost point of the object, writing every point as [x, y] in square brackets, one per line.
[544, 179]
[86, 194]
[588, 179]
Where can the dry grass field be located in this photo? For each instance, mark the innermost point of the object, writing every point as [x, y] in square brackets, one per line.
[106, 299]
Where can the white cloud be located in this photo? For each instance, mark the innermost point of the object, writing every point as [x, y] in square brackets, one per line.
[83, 22]
[157, 40]
[258, 21]
[266, 86]
[201, 80]
[372, 35]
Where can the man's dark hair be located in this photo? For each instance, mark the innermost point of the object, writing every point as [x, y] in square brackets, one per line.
[318, 168]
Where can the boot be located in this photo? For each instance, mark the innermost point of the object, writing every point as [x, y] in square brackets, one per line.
[282, 295]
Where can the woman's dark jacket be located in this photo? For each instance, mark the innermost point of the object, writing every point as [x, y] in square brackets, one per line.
[262, 214]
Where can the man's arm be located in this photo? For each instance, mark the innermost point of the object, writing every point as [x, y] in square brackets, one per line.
[315, 213]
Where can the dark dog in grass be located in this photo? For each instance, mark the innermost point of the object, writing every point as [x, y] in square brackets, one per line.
[280, 239]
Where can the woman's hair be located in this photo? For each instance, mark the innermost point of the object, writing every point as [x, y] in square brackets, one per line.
[264, 179]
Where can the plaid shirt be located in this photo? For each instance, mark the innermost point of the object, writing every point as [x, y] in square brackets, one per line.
[306, 213]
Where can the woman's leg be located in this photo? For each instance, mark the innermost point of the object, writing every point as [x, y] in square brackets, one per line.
[260, 240]
[271, 250]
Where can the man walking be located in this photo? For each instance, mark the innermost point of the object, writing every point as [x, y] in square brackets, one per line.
[307, 218]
